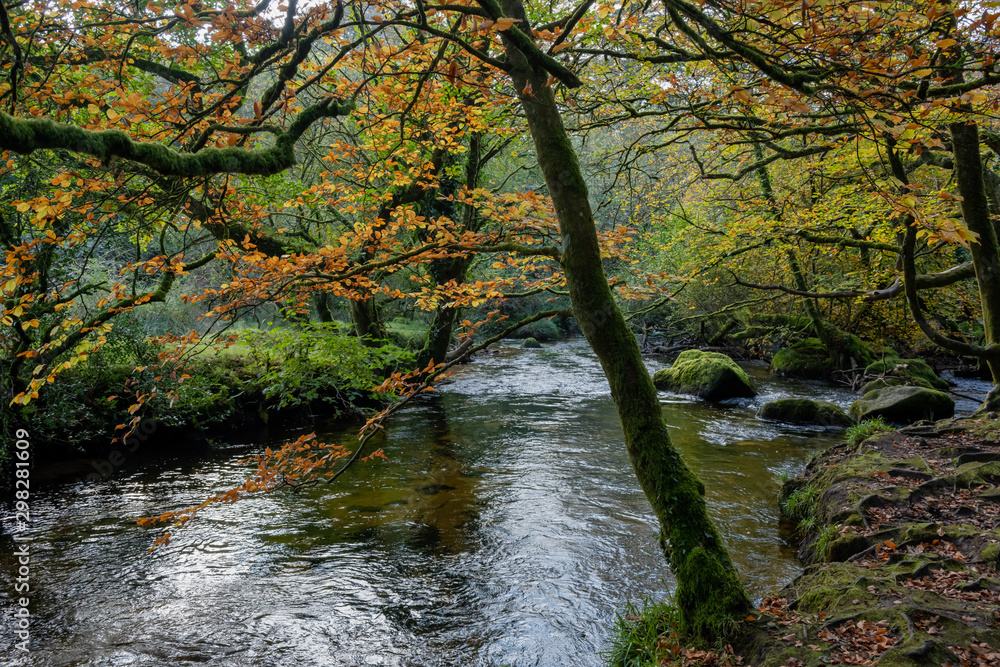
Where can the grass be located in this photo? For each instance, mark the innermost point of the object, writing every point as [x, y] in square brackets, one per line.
[823, 540]
[636, 635]
[800, 504]
[866, 429]
[407, 334]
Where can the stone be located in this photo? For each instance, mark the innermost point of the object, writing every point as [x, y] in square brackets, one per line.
[708, 375]
[903, 405]
[807, 359]
[805, 411]
[916, 372]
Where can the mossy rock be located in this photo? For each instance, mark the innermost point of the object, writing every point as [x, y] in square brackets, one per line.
[903, 405]
[914, 372]
[708, 375]
[807, 359]
[805, 411]
[853, 351]
[530, 344]
[880, 383]
[545, 330]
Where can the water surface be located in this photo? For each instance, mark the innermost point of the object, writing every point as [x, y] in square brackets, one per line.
[507, 528]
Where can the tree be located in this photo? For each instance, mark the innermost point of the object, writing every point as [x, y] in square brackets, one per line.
[907, 86]
[173, 133]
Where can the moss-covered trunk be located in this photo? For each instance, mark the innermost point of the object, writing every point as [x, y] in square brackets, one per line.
[367, 324]
[451, 269]
[439, 334]
[976, 213]
[709, 593]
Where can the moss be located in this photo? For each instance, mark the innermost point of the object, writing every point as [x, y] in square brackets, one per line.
[805, 411]
[915, 372]
[863, 467]
[978, 472]
[880, 383]
[28, 135]
[985, 427]
[903, 405]
[709, 375]
[806, 359]
[851, 350]
[530, 344]
[543, 330]
[706, 595]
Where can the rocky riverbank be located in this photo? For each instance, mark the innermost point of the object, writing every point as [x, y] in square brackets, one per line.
[901, 534]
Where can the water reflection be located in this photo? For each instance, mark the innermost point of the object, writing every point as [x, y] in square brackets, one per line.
[506, 529]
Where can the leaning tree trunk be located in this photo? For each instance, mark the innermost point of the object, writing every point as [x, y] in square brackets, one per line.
[709, 593]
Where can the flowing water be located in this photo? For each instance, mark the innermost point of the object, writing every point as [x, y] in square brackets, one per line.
[507, 528]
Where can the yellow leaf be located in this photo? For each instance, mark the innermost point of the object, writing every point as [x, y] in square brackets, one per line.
[945, 43]
[504, 23]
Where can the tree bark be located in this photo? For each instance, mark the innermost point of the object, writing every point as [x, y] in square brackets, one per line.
[709, 593]
[976, 213]
[367, 324]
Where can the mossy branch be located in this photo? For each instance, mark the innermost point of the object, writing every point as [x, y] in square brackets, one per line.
[845, 242]
[26, 135]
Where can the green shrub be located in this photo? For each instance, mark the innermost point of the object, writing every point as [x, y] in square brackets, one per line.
[318, 362]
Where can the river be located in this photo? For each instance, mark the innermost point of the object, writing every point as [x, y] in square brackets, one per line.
[507, 529]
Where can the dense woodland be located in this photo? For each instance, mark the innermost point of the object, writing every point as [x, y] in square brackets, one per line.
[331, 203]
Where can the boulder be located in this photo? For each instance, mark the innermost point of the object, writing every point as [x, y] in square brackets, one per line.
[914, 372]
[903, 405]
[805, 411]
[807, 359]
[709, 375]
[530, 344]
[880, 383]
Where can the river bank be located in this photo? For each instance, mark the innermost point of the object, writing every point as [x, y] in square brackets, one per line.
[903, 541]
[118, 405]
[900, 534]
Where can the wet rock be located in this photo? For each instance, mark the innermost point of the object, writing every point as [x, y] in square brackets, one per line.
[807, 359]
[903, 405]
[915, 372]
[805, 411]
[530, 344]
[708, 375]
[880, 383]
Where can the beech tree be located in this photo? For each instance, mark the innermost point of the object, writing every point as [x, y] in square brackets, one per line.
[908, 86]
[216, 94]
[205, 67]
